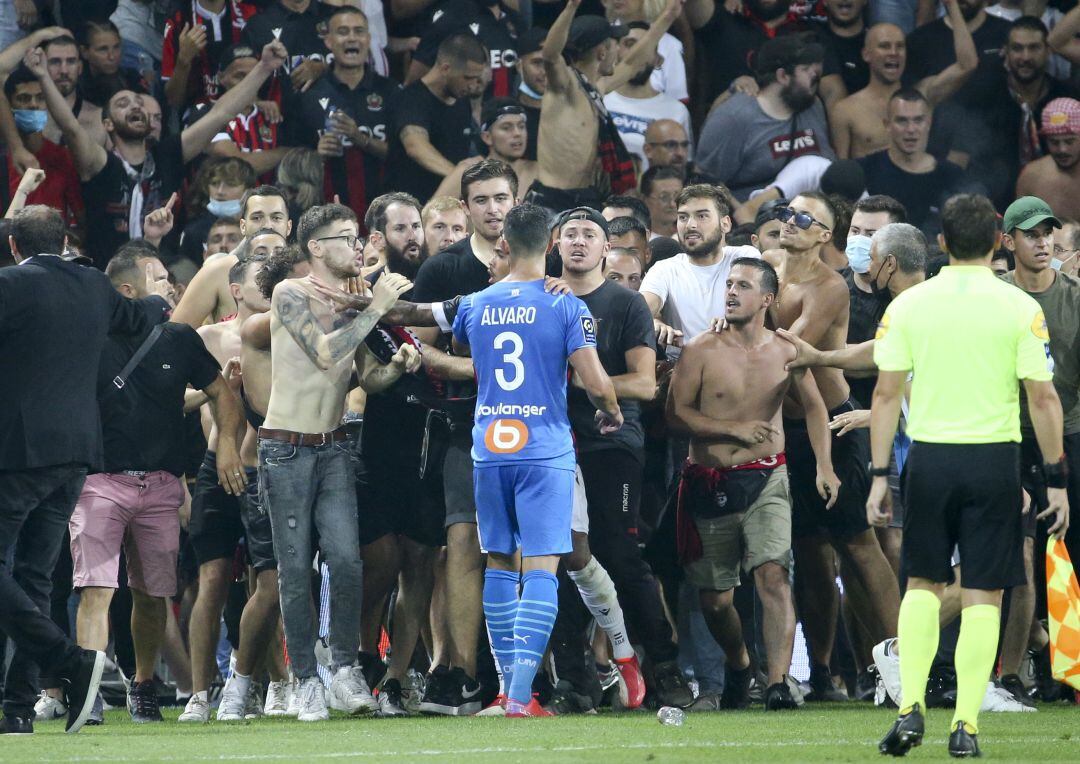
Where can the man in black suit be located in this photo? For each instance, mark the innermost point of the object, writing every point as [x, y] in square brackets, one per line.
[54, 318]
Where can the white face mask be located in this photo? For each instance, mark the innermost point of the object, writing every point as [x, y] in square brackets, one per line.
[858, 253]
[226, 209]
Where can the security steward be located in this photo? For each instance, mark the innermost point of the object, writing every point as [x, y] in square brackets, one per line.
[968, 340]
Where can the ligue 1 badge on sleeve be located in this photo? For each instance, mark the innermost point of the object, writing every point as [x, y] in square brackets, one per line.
[588, 328]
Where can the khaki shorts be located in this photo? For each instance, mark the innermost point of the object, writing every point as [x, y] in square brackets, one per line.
[748, 539]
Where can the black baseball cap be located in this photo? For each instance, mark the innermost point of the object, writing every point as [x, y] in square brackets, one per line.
[498, 107]
[586, 32]
[235, 53]
[584, 213]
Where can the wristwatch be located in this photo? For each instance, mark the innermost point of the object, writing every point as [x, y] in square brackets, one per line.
[877, 471]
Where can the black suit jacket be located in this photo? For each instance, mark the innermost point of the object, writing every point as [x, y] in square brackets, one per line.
[54, 318]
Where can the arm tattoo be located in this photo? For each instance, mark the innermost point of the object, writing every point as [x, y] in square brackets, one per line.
[324, 348]
[404, 313]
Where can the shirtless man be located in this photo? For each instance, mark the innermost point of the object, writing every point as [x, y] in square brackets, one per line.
[1055, 178]
[573, 121]
[859, 121]
[504, 131]
[305, 461]
[814, 303]
[727, 394]
[208, 295]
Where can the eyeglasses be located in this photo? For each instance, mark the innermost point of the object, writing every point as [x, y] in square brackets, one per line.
[1064, 254]
[671, 145]
[665, 197]
[350, 240]
[801, 220]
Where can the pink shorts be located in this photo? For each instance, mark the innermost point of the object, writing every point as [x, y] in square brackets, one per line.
[138, 513]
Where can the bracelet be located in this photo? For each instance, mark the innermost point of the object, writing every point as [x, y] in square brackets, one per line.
[1056, 474]
[878, 471]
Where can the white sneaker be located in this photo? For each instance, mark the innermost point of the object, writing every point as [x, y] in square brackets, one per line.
[277, 699]
[197, 710]
[888, 668]
[312, 701]
[1000, 699]
[294, 698]
[233, 699]
[49, 709]
[349, 692]
[254, 707]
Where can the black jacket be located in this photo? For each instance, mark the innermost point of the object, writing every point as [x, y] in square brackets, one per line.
[54, 318]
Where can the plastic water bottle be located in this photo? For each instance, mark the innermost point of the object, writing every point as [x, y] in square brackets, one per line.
[671, 715]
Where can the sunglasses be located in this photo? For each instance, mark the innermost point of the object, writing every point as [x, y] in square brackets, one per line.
[801, 220]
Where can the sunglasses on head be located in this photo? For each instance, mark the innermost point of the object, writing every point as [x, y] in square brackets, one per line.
[801, 220]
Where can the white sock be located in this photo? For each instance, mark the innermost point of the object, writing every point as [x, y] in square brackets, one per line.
[243, 683]
[598, 592]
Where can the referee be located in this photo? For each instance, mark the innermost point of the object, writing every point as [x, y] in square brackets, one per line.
[967, 340]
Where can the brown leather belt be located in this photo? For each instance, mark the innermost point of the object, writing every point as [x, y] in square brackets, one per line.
[303, 438]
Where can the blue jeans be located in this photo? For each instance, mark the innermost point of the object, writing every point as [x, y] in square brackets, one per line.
[306, 488]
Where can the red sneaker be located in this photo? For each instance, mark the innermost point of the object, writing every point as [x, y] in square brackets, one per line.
[632, 687]
[497, 707]
[517, 709]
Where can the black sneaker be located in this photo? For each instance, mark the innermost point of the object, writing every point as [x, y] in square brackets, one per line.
[964, 744]
[142, 702]
[866, 685]
[671, 685]
[822, 689]
[778, 698]
[437, 692]
[447, 694]
[906, 733]
[373, 667]
[469, 690]
[82, 688]
[941, 687]
[16, 725]
[390, 701]
[1048, 688]
[1015, 687]
[566, 701]
[736, 687]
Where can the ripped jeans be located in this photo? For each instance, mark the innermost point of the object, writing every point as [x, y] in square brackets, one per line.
[308, 489]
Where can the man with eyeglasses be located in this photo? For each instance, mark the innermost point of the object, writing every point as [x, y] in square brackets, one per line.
[305, 460]
[660, 186]
[813, 303]
[1067, 246]
[667, 144]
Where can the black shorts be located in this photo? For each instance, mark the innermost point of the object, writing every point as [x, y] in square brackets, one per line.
[392, 497]
[850, 458]
[458, 482]
[257, 534]
[216, 528]
[965, 495]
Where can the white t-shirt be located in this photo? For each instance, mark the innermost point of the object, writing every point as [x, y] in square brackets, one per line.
[634, 115]
[670, 78]
[692, 295]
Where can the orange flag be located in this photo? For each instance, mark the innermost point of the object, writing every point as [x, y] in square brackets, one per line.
[1063, 609]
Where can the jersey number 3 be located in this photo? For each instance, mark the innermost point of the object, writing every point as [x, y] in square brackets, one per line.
[513, 377]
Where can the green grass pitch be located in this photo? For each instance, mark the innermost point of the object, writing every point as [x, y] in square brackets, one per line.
[848, 733]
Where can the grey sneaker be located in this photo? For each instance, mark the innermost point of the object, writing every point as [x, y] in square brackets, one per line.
[349, 692]
[197, 710]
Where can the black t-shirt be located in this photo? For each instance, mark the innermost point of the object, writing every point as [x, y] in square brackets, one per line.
[497, 34]
[847, 53]
[108, 194]
[866, 312]
[921, 194]
[143, 424]
[356, 177]
[731, 42]
[623, 322]
[299, 32]
[450, 129]
[930, 51]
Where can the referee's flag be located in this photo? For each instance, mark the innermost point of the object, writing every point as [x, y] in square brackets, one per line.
[1063, 608]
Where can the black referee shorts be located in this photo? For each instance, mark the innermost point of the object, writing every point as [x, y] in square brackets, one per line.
[965, 495]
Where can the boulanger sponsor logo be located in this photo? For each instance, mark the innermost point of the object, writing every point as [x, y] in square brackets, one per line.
[506, 436]
[525, 410]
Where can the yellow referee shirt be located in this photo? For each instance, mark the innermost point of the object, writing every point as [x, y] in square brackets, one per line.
[969, 338]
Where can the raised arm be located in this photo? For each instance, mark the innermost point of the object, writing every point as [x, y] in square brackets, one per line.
[198, 136]
[944, 84]
[1063, 36]
[634, 59]
[88, 156]
[14, 53]
[699, 12]
[559, 78]
[292, 305]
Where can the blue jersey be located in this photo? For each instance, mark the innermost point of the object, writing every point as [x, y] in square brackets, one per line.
[521, 338]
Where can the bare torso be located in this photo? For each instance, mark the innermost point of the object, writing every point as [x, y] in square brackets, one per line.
[256, 367]
[303, 397]
[742, 385]
[864, 116]
[793, 300]
[567, 144]
[1042, 178]
[223, 342]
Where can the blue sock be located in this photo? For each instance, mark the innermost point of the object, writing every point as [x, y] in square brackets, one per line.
[500, 611]
[532, 629]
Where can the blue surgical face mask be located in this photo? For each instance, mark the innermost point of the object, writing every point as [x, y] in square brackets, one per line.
[229, 209]
[529, 91]
[30, 120]
[858, 253]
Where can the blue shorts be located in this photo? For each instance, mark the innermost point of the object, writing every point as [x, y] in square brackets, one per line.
[526, 506]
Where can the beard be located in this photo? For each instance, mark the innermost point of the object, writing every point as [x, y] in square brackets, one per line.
[768, 10]
[1028, 75]
[706, 246]
[398, 262]
[798, 99]
[643, 76]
